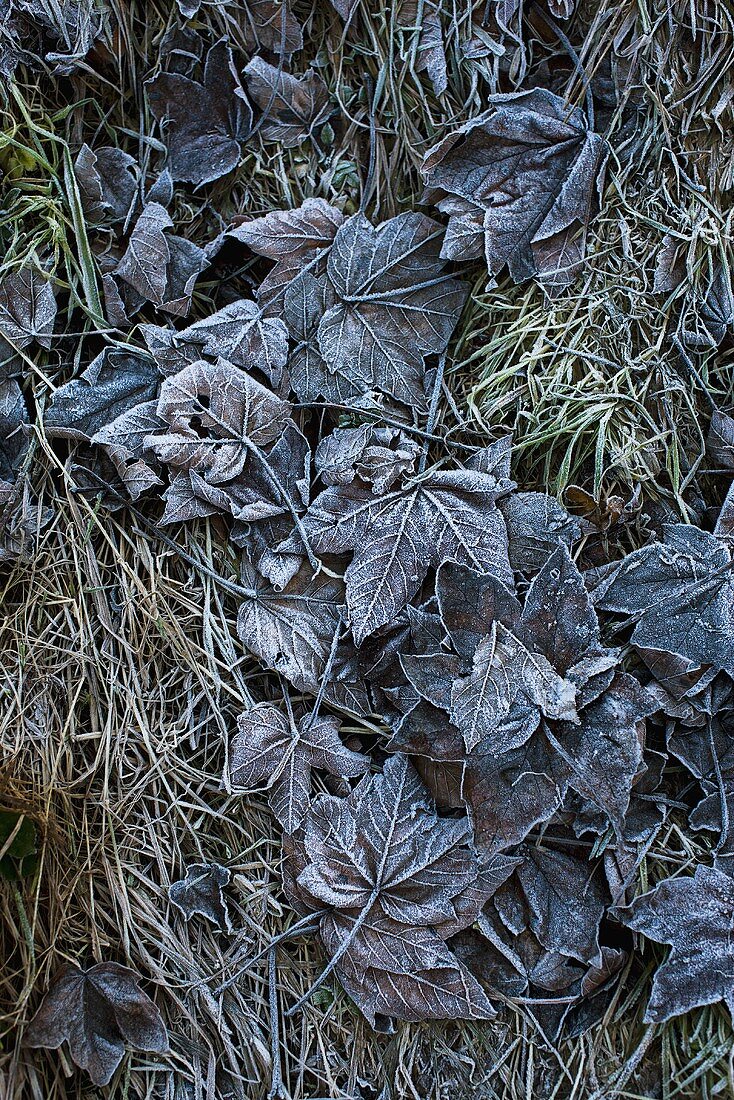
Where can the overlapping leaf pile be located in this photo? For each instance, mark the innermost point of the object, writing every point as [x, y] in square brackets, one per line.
[520, 708]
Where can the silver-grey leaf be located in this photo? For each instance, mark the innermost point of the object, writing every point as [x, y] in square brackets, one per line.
[200, 893]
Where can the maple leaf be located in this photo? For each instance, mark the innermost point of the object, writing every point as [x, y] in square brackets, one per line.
[397, 881]
[681, 594]
[292, 106]
[708, 317]
[296, 239]
[201, 892]
[508, 793]
[395, 304]
[304, 304]
[234, 439]
[291, 630]
[536, 526]
[269, 750]
[505, 794]
[144, 264]
[395, 539]
[241, 334]
[97, 1011]
[695, 916]
[506, 692]
[519, 180]
[203, 123]
[566, 902]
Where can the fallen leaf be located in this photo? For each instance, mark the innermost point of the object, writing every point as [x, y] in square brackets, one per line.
[108, 181]
[378, 456]
[113, 383]
[98, 1012]
[395, 304]
[271, 751]
[681, 594]
[271, 25]
[295, 239]
[695, 916]
[124, 440]
[144, 264]
[397, 538]
[13, 420]
[201, 892]
[292, 106]
[27, 314]
[397, 881]
[204, 123]
[291, 630]
[241, 334]
[520, 180]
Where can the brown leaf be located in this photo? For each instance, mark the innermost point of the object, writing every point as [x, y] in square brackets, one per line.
[270, 751]
[98, 1012]
[203, 123]
[291, 631]
[295, 239]
[397, 881]
[293, 106]
[396, 539]
[200, 892]
[695, 916]
[521, 178]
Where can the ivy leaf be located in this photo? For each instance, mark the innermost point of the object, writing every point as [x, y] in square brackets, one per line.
[680, 591]
[397, 538]
[270, 751]
[204, 123]
[113, 383]
[293, 106]
[98, 1012]
[395, 304]
[519, 179]
[295, 239]
[201, 892]
[397, 881]
[695, 916]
